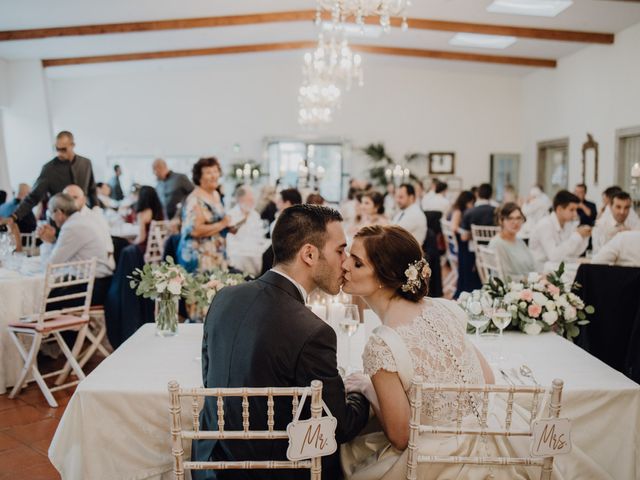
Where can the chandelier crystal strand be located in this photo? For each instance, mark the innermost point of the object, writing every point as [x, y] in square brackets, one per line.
[360, 9]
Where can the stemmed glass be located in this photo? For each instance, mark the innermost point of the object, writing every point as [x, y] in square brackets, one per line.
[476, 308]
[348, 325]
[501, 318]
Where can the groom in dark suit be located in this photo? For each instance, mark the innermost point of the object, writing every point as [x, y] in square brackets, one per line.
[260, 334]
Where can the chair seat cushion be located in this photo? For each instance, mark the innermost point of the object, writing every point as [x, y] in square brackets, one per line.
[63, 322]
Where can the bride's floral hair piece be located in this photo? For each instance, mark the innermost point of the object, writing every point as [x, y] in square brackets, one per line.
[416, 273]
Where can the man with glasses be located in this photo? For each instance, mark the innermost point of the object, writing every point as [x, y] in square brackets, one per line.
[65, 169]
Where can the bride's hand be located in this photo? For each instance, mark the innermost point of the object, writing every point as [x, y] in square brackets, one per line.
[361, 383]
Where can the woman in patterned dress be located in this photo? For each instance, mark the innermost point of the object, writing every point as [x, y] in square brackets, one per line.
[204, 223]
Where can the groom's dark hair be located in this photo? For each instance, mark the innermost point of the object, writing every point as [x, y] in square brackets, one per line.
[298, 225]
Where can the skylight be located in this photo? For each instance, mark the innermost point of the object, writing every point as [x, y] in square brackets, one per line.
[539, 8]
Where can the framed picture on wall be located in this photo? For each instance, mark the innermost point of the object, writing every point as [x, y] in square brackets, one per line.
[442, 163]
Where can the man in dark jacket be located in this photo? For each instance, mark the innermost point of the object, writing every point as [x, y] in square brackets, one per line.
[65, 169]
[260, 334]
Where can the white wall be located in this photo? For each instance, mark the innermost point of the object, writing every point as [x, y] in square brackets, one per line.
[4, 83]
[27, 130]
[596, 91]
[407, 104]
[5, 181]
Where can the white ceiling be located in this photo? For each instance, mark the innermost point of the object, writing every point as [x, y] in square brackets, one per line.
[586, 15]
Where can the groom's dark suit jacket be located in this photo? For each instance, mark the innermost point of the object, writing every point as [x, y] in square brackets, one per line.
[260, 334]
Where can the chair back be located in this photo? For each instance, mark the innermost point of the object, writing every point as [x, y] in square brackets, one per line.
[452, 243]
[158, 233]
[70, 284]
[506, 428]
[482, 234]
[197, 396]
[488, 264]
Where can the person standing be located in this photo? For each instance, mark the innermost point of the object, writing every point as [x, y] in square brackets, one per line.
[65, 169]
[260, 334]
[172, 187]
[114, 183]
[410, 216]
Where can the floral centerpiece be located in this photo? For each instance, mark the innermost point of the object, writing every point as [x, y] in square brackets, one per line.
[201, 287]
[165, 283]
[541, 304]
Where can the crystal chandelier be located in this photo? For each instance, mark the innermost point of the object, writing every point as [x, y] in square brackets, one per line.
[333, 60]
[318, 99]
[359, 9]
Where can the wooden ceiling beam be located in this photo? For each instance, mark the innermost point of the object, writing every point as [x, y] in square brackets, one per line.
[270, 47]
[304, 15]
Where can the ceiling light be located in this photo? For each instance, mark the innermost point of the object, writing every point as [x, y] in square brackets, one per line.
[481, 41]
[353, 30]
[540, 8]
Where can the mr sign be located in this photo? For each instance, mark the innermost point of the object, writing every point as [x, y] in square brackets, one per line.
[551, 437]
[311, 438]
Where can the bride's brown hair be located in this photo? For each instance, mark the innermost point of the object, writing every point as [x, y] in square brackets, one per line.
[391, 249]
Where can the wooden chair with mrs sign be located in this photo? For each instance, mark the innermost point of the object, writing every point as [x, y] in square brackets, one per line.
[178, 434]
[65, 284]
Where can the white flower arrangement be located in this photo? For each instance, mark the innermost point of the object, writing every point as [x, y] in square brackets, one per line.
[541, 304]
[162, 281]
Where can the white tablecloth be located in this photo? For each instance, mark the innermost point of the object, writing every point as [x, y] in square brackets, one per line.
[125, 230]
[19, 295]
[117, 424]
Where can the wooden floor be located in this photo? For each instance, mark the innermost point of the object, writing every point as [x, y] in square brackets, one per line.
[27, 425]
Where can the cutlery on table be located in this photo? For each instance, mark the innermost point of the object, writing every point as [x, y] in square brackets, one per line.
[525, 371]
[506, 377]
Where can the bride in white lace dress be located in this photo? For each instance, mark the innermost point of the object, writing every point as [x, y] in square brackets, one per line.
[418, 336]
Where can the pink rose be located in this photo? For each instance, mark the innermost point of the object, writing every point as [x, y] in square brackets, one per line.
[553, 290]
[526, 295]
[534, 310]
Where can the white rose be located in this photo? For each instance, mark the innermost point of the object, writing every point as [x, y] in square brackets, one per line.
[161, 287]
[550, 317]
[513, 308]
[516, 286]
[539, 298]
[533, 277]
[550, 305]
[570, 313]
[532, 329]
[411, 273]
[464, 296]
[475, 308]
[522, 305]
[561, 301]
[175, 287]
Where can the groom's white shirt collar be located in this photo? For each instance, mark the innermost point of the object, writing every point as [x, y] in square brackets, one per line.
[303, 292]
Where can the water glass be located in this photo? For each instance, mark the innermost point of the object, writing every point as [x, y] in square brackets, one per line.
[476, 307]
[501, 318]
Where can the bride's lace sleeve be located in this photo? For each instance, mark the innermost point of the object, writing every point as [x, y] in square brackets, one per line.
[377, 356]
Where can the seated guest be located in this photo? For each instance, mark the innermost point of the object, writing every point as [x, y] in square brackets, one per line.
[204, 223]
[76, 241]
[557, 237]
[437, 201]
[261, 334]
[285, 199]
[514, 255]
[266, 205]
[27, 223]
[409, 214]
[101, 226]
[372, 212]
[172, 187]
[535, 207]
[315, 199]
[623, 249]
[616, 218]
[587, 210]
[244, 216]
[607, 195]
[104, 196]
[148, 207]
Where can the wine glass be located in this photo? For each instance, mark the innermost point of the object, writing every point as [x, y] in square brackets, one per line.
[348, 325]
[501, 318]
[476, 311]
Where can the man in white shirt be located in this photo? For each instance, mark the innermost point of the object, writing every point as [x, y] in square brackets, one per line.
[101, 223]
[534, 209]
[438, 201]
[617, 217]
[409, 215]
[623, 250]
[557, 237]
[77, 240]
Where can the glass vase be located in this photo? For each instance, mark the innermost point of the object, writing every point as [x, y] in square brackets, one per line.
[166, 315]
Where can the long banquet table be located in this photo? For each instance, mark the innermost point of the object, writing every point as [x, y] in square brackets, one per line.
[117, 422]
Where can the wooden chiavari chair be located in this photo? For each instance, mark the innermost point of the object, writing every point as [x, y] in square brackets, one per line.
[506, 428]
[158, 232]
[450, 281]
[60, 280]
[481, 235]
[196, 394]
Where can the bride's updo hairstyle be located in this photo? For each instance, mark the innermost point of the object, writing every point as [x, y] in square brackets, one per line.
[391, 250]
